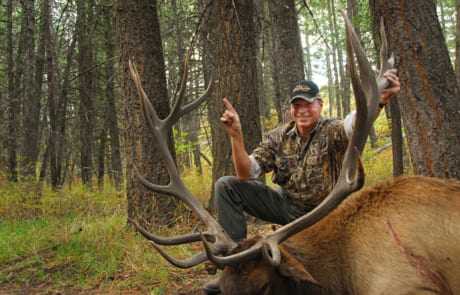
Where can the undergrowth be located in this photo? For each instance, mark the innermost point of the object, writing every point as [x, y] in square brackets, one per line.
[75, 240]
[79, 241]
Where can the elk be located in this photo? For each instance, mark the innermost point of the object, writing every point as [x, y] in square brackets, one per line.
[396, 237]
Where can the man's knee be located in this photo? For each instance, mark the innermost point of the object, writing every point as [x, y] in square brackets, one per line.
[224, 182]
[224, 189]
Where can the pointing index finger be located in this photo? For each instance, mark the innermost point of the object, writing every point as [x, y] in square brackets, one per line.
[228, 105]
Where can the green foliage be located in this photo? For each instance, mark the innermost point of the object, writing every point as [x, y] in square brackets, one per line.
[181, 144]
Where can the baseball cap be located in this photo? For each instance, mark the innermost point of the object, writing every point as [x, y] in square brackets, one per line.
[306, 90]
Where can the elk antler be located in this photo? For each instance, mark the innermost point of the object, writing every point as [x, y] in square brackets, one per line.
[367, 92]
[176, 187]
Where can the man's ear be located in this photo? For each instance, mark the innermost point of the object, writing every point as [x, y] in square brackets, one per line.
[290, 267]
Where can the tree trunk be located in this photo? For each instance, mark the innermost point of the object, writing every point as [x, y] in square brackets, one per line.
[429, 92]
[43, 44]
[31, 116]
[12, 100]
[86, 88]
[233, 54]
[457, 44]
[308, 24]
[185, 128]
[52, 95]
[397, 139]
[138, 33]
[335, 83]
[102, 144]
[287, 50]
[330, 83]
[63, 154]
[116, 169]
[353, 13]
[194, 141]
[264, 87]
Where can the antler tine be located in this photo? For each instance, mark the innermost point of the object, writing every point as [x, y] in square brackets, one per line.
[196, 259]
[149, 112]
[176, 187]
[351, 176]
[159, 129]
[179, 240]
[386, 62]
[222, 261]
[177, 109]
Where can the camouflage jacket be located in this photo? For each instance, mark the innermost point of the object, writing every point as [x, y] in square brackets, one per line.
[306, 172]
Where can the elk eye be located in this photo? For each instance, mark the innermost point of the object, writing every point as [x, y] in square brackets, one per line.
[264, 290]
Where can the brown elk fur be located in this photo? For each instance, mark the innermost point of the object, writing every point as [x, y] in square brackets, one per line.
[398, 237]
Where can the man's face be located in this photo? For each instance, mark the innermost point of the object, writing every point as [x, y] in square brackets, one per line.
[306, 114]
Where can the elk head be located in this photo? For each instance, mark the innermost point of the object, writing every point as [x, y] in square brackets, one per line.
[218, 247]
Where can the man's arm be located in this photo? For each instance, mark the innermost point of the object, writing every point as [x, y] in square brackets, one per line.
[232, 125]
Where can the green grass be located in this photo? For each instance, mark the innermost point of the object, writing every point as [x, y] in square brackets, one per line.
[87, 253]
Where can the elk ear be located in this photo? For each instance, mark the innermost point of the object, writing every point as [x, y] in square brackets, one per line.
[290, 267]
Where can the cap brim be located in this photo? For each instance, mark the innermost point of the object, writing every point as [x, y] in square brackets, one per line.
[303, 97]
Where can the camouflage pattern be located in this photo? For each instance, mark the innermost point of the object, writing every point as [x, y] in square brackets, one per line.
[306, 172]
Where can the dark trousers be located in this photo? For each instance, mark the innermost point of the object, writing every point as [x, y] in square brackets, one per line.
[234, 197]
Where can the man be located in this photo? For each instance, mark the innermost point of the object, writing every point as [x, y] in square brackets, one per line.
[304, 155]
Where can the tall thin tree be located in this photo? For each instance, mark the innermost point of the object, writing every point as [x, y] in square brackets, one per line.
[86, 88]
[12, 100]
[116, 168]
[31, 116]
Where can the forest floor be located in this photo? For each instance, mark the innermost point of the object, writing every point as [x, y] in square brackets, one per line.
[45, 272]
[188, 286]
[24, 275]
[70, 265]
